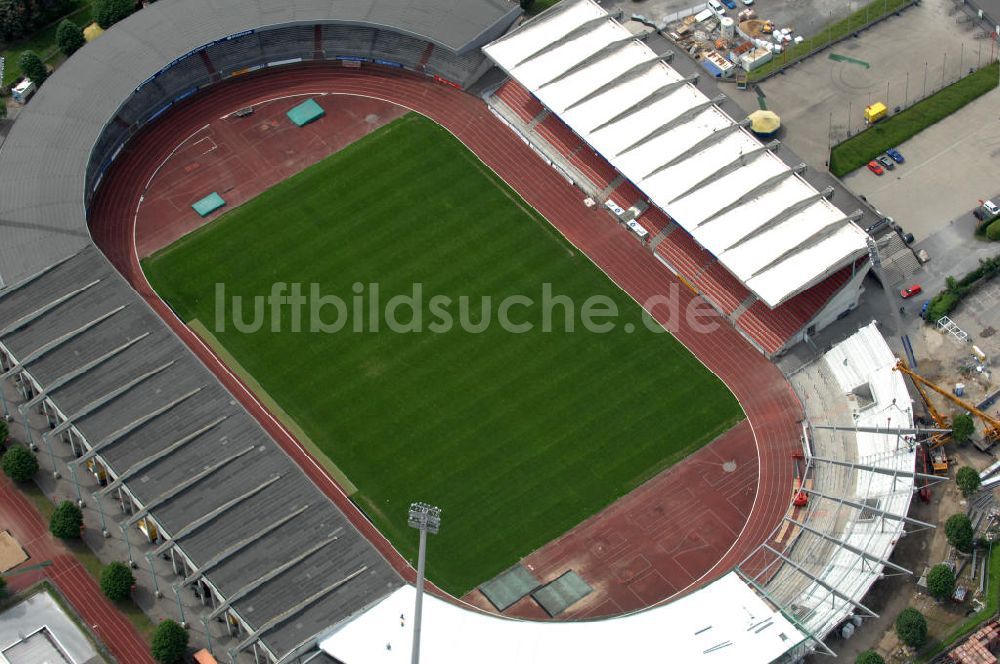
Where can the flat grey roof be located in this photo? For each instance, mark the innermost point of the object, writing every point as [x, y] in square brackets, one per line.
[45, 156]
[186, 449]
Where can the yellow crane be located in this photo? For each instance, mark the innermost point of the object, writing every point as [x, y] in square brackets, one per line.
[991, 425]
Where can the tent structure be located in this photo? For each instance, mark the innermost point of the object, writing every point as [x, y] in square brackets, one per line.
[764, 123]
[306, 112]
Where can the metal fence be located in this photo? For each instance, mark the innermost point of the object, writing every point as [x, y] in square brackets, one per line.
[902, 92]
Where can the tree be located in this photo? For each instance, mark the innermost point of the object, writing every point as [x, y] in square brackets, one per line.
[69, 37]
[911, 627]
[958, 529]
[117, 581]
[109, 12]
[33, 67]
[962, 428]
[4, 428]
[170, 641]
[19, 464]
[3, 114]
[869, 657]
[967, 480]
[527, 4]
[941, 581]
[14, 19]
[66, 521]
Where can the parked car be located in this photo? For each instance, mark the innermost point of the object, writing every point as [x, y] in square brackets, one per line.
[923, 309]
[729, 3]
[991, 207]
[910, 291]
[886, 163]
[896, 156]
[747, 2]
[875, 168]
[716, 7]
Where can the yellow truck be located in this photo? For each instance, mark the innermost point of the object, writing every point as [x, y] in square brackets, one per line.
[875, 112]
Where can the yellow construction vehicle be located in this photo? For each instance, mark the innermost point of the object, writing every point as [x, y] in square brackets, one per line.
[991, 425]
[767, 28]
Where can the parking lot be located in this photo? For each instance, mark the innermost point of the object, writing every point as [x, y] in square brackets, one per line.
[822, 98]
[949, 167]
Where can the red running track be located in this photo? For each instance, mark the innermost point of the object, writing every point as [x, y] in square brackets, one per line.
[27, 526]
[767, 399]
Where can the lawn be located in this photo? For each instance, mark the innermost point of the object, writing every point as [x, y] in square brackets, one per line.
[516, 436]
[42, 42]
[858, 150]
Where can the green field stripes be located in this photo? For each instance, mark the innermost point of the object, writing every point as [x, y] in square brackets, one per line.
[518, 437]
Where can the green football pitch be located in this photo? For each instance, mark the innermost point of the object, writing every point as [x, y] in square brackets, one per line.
[517, 437]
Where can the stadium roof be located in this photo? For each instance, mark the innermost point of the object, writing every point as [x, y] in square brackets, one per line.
[185, 449]
[764, 222]
[45, 157]
[723, 622]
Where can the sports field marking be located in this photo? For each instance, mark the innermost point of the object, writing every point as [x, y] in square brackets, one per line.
[517, 437]
[265, 399]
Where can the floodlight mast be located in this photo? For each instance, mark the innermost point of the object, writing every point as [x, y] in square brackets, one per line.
[427, 519]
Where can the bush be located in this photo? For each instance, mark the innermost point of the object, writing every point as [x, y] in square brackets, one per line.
[993, 231]
[19, 464]
[66, 521]
[942, 304]
[33, 67]
[869, 657]
[962, 428]
[4, 427]
[941, 581]
[967, 480]
[958, 530]
[170, 641]
[109, 12]
[911, 627]
[117, 581]
[69, 37]
[3, 114]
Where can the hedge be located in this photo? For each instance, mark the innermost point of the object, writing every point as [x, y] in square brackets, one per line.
[858, 150]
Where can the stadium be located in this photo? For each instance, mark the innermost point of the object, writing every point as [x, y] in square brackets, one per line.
[596, 165]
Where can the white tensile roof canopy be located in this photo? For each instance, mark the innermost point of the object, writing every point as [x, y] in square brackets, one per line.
[764, 223]
[724, 622]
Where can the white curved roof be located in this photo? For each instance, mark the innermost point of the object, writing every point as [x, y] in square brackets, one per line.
[723, 622]
[764, 223]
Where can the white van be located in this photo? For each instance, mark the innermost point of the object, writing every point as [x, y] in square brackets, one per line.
[716, 7]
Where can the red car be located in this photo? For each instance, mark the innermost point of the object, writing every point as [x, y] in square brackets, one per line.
[875, 167]
[915, 289]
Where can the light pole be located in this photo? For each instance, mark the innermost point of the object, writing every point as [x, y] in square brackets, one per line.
[426, 519]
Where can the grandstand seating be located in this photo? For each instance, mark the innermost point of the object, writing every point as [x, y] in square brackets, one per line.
[626, 195]
[519, 100]
[398, 48]
[233, 54]
[348, 40]
[580, 155]
[462, 69]
[683, 253]
[295, 41]
[654, 220]
[724, 289]
[771, 328]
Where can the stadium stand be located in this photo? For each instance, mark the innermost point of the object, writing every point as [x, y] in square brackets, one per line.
[170, 454]
[825, 557]
[752, 226]
[206, 499]
[519, 100]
